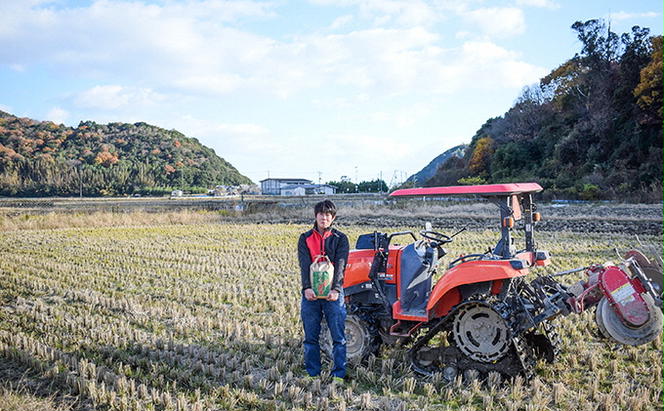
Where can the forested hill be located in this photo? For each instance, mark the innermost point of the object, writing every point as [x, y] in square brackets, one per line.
[591, 129]
[40, 158]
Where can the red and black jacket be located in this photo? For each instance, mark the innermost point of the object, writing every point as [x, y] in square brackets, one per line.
[334, 244]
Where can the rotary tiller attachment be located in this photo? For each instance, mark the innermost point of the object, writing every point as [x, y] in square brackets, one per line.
[627, 297]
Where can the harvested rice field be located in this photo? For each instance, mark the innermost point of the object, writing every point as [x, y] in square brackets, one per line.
[205, 316]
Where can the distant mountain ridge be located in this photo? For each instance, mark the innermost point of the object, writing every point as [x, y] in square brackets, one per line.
[420, 178]
[43, 158]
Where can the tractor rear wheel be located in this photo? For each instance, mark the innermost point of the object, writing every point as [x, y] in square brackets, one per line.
[481, 333]
[612, 327]
[361, 340]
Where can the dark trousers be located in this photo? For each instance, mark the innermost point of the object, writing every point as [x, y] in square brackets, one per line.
[312, 313]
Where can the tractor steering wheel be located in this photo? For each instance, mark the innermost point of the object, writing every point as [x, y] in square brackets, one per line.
[439, 238]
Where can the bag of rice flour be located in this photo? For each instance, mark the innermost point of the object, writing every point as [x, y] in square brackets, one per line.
[321, 273]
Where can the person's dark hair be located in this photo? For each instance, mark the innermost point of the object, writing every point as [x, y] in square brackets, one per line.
[325, 206]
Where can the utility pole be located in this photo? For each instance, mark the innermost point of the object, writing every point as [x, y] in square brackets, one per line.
[380, 178]
[319, 177]
[395, 179]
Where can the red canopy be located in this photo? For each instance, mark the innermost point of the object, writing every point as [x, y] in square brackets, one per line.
[486, 189]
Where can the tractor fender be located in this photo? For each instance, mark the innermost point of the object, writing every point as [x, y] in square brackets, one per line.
[446, 293]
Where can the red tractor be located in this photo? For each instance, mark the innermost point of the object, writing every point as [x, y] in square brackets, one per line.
[482, 315]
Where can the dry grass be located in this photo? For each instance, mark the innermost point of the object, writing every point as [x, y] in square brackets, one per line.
[144, 313]
[13, 400]
[53, 220]
[21, 389]
[450, 214]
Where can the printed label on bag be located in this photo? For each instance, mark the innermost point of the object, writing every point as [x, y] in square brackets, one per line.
[321, 274]
[321, 283]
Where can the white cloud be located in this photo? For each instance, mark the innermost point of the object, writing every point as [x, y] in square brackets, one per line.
[221, 83]
[341, 21]
[411, 115]
[133, 38]
[341, 102]
[57, 115]
[19, 68]
[187, 48]
[463, 35]
[548, 4]
[247, 137]
[486, 65]
[404, 13]
[111, 97]
[247, 129]
[6, 109]
[621, 15]
[379, 117]
[388, 60]
[497, 21]
[366, 148]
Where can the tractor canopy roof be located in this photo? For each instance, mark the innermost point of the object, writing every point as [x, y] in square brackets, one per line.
[483, 190]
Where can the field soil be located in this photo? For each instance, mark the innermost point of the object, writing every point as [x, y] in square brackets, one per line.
[642, 219]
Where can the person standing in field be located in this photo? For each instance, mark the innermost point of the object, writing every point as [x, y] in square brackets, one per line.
[323, 240]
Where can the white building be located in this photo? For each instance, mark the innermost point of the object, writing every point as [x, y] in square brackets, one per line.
[272, 186]
[294, 190]
[307, 189]
[294, 187]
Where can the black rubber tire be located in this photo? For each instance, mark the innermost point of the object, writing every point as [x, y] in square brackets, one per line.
[612, 327]
[542, 346]
[360, 342]
[599, 318]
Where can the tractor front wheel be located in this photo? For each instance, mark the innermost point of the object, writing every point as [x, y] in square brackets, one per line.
[361, 340]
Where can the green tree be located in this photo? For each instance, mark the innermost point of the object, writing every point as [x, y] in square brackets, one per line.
[373, 186]
[343, 186]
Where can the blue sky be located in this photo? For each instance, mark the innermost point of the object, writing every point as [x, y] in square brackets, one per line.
[309, 89]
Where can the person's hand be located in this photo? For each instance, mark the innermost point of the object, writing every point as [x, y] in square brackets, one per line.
[309, 294]
[333, 296]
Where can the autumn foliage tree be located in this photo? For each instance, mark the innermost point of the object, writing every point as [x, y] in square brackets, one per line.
[649, 90]
[480, 158]
[106, 159]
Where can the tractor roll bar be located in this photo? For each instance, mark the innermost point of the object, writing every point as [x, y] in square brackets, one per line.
[514, 200]
[483, 190]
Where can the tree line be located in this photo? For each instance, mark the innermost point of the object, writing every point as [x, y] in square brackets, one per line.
[590, 129]
[374, 186]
